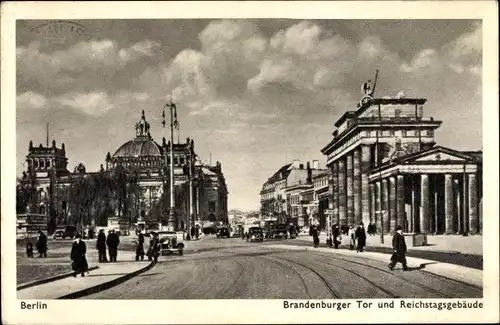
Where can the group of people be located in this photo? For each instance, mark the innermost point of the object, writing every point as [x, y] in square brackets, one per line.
[41, 246]
[357, 238]
[79, 249]
[111, 241]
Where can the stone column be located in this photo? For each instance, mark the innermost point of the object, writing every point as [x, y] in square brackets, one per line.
[392, 204]
[473, 217]
[373, 203]
[378, 204]
[413, 222]
[424, 204]
[350, 192]
[342, 193]
[458, 206]
[436, 212]
[357, 186]
[335, 192]
[365, 186]
[385, 205]
[400, 201]
[448, 204]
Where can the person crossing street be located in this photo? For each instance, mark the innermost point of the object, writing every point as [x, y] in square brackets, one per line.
[399, 247]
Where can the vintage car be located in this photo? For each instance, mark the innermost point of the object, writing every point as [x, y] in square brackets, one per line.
[255, 234]
[65, 232]
[279, 231]
[170, 242]
[223, 232]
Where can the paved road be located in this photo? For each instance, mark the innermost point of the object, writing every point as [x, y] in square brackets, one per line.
[232, 269]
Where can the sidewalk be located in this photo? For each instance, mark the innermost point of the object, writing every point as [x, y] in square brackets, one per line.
[440, 243]
[106, 275]
[456, 272]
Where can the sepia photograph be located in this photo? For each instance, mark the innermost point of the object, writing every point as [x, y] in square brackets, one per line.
[329, 163]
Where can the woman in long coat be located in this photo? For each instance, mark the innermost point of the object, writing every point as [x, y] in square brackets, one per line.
[78, 251]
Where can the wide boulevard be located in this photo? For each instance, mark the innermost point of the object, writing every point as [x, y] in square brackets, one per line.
[235, 269]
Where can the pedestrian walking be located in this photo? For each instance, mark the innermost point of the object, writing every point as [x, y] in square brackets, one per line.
[360, 237]
[352, 237]
[154, 247]
[79, 261]
[101, 246]
[139, 251]
[197, 232]
[41, 244]
[113, 241]
[337, 238]
[399, 247]
[315, 234]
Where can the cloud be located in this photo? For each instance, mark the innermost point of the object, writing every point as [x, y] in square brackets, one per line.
[92, 103]
[83, 62]
[31, 100]
[462, 55]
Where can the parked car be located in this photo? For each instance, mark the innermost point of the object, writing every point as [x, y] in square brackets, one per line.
[223, 232]
[65, 232]
[279, 231]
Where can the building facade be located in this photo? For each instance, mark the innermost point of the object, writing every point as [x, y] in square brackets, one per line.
[142, 166]
[321, 197]
[289, 195]
[386, 170]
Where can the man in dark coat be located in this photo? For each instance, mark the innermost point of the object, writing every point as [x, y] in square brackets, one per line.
[336, 236]
[360, 237]
[79, 261]
[399, 247]
[315, 234]
[113, 241]
[101, 246]
[154, 247]
[41, 244]
[139, 251]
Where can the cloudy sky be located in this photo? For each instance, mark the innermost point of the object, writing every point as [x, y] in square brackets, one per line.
[253, 93]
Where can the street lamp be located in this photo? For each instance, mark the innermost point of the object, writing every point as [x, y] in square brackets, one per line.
[172, 222]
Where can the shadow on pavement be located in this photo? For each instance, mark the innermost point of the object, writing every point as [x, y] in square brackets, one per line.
[109, 274]
[420, 267]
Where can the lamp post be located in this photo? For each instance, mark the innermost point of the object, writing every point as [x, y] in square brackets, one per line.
[172, 222]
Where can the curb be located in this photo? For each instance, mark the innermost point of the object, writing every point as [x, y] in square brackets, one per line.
[107, 285]
[51, 279]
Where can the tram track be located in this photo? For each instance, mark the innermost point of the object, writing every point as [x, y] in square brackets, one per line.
[422, 286]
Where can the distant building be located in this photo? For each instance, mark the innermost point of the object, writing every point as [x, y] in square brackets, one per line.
[200, 190]
[283, 196]
[386, 169]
